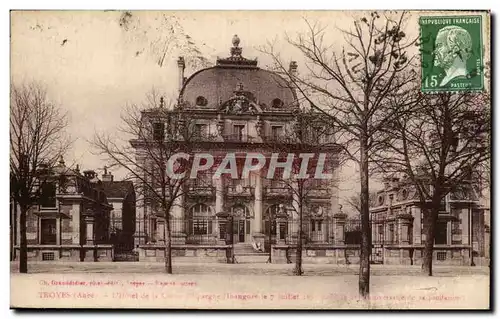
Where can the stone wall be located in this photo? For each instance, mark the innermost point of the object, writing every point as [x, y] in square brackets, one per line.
[63, 253]
[212, 253]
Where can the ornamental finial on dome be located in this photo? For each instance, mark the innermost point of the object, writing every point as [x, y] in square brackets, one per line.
[236, 50]
[236, 59]
[236, 40]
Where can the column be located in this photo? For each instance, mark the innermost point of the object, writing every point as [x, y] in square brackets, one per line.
[257, 222]
[258, 236]
[58, 230]
[89, 224]
[339, 220]
[295, 213]
[219, 195]
[465, 226]
[75, 224]
[334, 198]
[160, 231]
[417, 227]
[219, 206]
[400, 231]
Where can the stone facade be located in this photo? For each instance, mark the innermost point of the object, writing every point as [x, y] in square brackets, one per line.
[121, 195]
[236, 107]
[71, 220]
[398, 235]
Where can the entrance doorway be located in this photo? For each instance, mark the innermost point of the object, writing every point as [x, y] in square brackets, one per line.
[241, 224]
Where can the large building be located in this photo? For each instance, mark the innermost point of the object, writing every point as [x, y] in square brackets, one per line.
[398, 236]
[237, 107]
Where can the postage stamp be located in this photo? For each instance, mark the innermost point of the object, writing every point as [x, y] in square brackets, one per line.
[451, 53]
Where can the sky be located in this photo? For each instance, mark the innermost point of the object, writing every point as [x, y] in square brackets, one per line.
[94, 62]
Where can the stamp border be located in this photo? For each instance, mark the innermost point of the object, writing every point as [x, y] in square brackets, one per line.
[450, 90]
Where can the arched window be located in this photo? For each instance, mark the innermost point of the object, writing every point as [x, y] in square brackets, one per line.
[201, 220]
[277, 103]
[201, 101]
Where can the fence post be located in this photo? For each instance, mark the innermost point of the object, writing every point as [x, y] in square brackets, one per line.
[339, 235]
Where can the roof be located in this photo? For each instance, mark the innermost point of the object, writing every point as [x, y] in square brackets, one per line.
[117, 189]
[211, 87]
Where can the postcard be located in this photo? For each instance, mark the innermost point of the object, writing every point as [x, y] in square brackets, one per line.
[250, 159]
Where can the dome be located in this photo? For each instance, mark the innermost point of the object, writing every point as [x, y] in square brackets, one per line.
[233, 76]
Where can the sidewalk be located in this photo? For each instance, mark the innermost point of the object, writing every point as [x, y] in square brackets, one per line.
[244, 269]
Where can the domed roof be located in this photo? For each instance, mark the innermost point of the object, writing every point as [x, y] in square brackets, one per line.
[237, 76]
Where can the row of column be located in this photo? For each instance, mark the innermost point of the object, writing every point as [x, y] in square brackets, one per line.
[179, 210]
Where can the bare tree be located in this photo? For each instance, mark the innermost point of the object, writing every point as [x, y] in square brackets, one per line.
[309, 135]
[161, 36]
[350, 88]
[37, 138]
[354, 202]
[440, 143]
[148, 137]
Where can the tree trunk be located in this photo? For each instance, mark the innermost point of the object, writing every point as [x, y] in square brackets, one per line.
[430, 217]
[13, 231]
[168, 246]
[23, 245]
[298, 261]
[364, 259]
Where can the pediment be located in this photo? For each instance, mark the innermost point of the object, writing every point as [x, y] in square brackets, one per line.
[240, 104]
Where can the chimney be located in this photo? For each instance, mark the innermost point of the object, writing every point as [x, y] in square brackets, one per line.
[107, 177]
[182, 65]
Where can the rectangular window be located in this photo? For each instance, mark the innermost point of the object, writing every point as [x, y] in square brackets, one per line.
[239, 132]
[200, 131]
[441, 255]
[441, 233]
[313, 226]
[48, 195]
[283, 230]
[391, 233]
[200, 227]
[222, 229]
[319, 225]
[381, 232]
[48, 256]
[159, 131]
[276, 132]
[48, 231]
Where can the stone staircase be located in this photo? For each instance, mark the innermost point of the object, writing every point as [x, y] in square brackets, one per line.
[244, 253]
